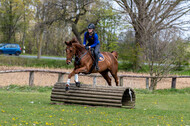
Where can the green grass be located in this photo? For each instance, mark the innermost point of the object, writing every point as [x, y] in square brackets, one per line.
[27, 62]
[16, 88]
[42, 55]
[25, 106]
[185, 71]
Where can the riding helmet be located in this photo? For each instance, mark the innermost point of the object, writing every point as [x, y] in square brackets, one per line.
[91, 26]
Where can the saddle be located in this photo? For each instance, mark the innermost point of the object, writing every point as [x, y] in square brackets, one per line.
[100, 58]
[77, 59]
[100, 55]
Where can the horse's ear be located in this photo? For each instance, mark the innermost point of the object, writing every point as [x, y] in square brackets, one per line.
[74, 40]
[68, 43]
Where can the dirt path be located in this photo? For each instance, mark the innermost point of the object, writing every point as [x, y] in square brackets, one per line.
[49, 79]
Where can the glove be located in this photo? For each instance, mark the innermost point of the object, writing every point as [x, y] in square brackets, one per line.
[87, 47]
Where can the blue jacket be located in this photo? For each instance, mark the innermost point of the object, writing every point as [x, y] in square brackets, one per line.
[92, 40]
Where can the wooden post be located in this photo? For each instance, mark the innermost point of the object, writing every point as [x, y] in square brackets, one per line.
[94, 81]
[147, 83]
[31, 78]
[121, 81]
[173, 83]
[60, 77]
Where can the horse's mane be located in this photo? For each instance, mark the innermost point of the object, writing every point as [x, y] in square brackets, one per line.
[76, 42]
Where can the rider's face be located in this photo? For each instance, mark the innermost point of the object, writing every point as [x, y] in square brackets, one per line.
[90, 30]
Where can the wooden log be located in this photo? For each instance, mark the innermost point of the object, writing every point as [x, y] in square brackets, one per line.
[90, 87]
[86, 102]
[147, 83]
[89, 92]
[121, 81]
[173, 83]
[69, 97]
[86, 95]
[94, 81]
[96, 96]
[31, 78]
[60, 77]
[97, 89]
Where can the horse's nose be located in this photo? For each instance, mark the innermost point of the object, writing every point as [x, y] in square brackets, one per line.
[68, 62]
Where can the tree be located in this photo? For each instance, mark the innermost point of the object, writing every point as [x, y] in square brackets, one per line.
[10, 18]
[127, 49]
[107, 27]
[183, 56]
[149, 17]
[74, 14]
[40, 26]
[27, 15]
[155, 24]
[163, 52]
[68, 11]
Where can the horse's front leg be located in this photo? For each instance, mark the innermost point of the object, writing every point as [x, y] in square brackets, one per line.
[75, 72]
[77, 80]
[69, 79]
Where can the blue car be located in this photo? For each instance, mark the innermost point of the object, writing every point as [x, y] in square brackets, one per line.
[10, 49]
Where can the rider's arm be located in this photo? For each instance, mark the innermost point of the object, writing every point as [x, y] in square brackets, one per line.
[84, 42]
[96, 41]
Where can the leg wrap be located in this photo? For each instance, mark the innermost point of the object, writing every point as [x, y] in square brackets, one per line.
[76, 78]
[68, 81]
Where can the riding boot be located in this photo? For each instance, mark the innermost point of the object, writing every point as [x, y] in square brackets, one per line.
[96, 59]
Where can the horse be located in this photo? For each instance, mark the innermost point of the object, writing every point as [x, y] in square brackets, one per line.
[84, 62]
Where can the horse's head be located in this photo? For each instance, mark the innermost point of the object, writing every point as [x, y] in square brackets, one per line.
[70, 50]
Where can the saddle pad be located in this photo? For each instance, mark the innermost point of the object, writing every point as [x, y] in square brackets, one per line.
[101, 57]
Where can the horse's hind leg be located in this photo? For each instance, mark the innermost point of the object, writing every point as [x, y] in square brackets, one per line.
[114, 74]
[106, 77]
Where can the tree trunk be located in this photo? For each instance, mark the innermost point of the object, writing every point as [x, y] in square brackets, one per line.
[10, 28]
[153, 84]
[24, 30]
[40, 43]
[136, 61]
[76, 32]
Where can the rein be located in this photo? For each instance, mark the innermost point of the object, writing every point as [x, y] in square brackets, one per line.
[78, 59]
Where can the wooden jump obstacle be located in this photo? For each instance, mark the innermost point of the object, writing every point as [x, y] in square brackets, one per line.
[94, 96]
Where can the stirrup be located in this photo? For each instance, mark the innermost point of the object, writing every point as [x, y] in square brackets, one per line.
[97, 68]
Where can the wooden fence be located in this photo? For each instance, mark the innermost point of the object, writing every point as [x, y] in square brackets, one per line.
[61, 76]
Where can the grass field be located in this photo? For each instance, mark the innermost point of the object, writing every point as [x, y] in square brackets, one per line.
[31, 106]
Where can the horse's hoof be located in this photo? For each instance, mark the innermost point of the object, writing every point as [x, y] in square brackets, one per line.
[67, 88]
[78, 84]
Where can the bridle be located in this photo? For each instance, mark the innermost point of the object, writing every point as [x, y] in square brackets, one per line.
[77, 56]
[70, 59]
[78, 59]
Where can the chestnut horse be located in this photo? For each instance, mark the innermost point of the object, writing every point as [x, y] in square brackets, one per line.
[84, 61]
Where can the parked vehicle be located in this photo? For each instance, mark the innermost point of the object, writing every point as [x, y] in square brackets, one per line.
[10, 49]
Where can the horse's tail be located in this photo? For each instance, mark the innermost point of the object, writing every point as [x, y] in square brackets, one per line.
[115, 54]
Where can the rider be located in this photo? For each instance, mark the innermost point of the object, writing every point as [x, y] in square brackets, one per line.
[93, 41]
